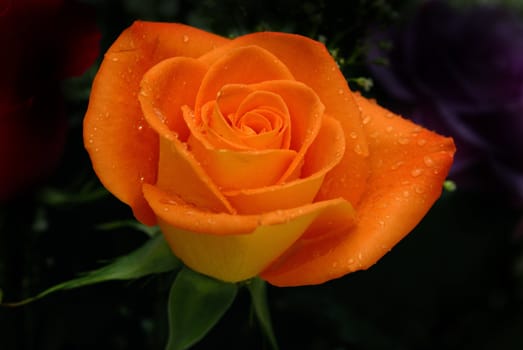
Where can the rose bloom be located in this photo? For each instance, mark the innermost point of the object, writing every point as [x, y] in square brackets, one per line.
[460, 72]
[43, 42]
[254, 157]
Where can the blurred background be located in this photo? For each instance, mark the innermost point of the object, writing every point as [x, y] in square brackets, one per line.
[456, 282]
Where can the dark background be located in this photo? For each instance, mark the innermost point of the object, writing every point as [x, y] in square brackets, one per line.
[456, 282]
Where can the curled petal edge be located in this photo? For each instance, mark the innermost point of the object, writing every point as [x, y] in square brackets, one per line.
[233, 247]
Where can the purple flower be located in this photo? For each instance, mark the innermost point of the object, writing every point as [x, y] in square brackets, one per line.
[460, 72]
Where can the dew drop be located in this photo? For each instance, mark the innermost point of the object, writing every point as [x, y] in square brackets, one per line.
[389, 115]
[165, 209]
[419, 190]
[366, 119]
[388, 128]
[428, 161]
[340, 91]
[397, 165]
[358, 149]
[114, 59]
[416, 172]
[422, 142]
[403, 141]
[350, 261]
[353, 135]
[334, 264]
[185, 38]
[406, 194]
[140, 127]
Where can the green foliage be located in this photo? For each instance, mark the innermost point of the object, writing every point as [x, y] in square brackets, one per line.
[258, 290]
[196, 304]
[151, 258]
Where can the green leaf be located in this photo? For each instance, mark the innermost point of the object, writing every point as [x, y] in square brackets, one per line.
[258, 290]
[153, 257]
[196, 304]
[151, 231]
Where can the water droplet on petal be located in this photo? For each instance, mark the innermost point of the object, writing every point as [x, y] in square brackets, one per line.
[185, 38]
[353, 135]
[358, 149]
[419, 190]
[397, 165]
[389, 115]
[366, 119]
[422, 142]
[340, 91]
[406, 194]
[388, 128]
[428, 161]
[403, 141]
[416, 172]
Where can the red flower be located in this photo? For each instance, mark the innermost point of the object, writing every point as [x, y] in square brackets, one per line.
[42, 43]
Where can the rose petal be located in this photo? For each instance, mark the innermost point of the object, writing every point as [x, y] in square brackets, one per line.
[165, 89]
[233, 247]
[319, 72]
[408, 166]
[243, 65]
[123, 152]
[234, 170]
[324, 153]
[306, 112]
[178, 170]
[221, 123]
[182, 175]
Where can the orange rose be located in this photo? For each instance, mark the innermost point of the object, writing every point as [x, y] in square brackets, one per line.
[254, 157]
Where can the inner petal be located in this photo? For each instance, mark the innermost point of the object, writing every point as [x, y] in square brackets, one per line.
[244, 65]
[254, 123]
[242, 118]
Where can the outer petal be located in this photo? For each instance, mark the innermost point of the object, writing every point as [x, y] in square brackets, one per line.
[309, 62]
[408, 166]
[233, 247]
[123, 151]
